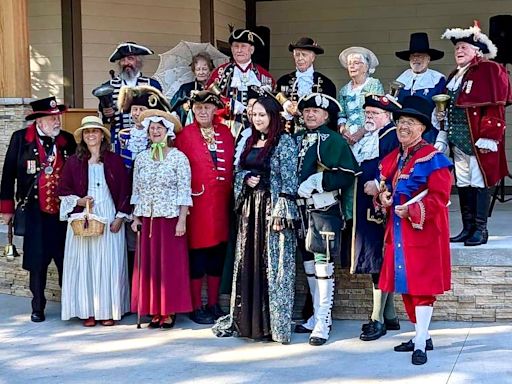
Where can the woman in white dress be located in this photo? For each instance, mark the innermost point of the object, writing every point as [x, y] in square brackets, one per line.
[95, 278]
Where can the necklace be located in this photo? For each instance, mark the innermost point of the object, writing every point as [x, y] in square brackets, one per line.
[263, 136]
[209, 136]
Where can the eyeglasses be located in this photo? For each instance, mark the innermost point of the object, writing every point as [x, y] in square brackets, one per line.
[372, 113]
[158, 128]
[407, 123]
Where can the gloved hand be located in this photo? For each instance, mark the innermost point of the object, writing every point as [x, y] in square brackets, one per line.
[238, 107]
[442, 142]
[312, 183]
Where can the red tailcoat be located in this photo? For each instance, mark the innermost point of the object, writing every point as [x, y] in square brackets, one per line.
[208, 222]
[485, 92]
[417, 249]
[222, 75]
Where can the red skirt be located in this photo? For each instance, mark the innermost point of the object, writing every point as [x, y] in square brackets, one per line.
[165, 281]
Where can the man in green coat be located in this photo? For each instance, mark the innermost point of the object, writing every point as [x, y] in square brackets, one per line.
[326, 171]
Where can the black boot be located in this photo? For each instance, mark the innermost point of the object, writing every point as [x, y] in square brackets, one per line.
[467, 206]
[480, 234]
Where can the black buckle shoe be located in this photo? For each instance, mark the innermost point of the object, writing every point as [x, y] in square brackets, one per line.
[365, 326]
[202, 316]
[37, 316]
[169, 325]
[374, 331]
[419, 357]
[317, 341]
[216, 311]
[409, 346]
[392, 324]
[299, 328]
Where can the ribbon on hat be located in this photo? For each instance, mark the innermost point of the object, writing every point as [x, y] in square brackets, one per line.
[158, 147]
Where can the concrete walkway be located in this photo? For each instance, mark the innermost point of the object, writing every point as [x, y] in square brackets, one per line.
[65, 352]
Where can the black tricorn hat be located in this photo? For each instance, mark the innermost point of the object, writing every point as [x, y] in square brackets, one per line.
[418, 43]
[322, 101]
[143, 95]
[45, 107]
[306, 43]
[245, 36]
[129, 49]
[417, 107]
[384, 102]
[206, 97]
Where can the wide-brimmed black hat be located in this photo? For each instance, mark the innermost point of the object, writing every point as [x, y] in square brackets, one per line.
[320, 100]
[308, 44]
[418, 43]
[143, 95]
[206, 97]
[417, 107]
[245, 36]
[45, 107]
[129, 49]
[384, 102]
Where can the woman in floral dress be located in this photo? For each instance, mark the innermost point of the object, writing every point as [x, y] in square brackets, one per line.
[161, 195]
[264, 270]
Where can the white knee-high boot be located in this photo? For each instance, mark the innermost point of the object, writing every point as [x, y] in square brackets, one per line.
[325, 281]
[309, 269]
[423, 316]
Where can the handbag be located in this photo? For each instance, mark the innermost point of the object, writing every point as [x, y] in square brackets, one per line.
[20, 213]
[324, 230]
[19, 219]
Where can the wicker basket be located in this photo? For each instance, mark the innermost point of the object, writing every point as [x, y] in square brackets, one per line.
[88, 225]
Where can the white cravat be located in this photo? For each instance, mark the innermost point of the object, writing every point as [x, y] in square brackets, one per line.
[243, 78]
[304, 82]
[456, 80]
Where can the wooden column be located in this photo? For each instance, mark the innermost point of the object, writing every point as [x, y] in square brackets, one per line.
[14, 49]
[207, 21]
[250, 14]
[72, 52]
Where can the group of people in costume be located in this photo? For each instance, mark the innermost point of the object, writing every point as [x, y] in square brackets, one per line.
[242, 170]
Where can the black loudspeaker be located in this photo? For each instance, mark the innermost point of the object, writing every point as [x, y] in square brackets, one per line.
[261, 55]
[500, 33]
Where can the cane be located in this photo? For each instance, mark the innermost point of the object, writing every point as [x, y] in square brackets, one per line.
[139, 249]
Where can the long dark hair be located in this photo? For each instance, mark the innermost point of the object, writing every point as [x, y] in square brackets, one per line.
[275, 129]
[82, 152]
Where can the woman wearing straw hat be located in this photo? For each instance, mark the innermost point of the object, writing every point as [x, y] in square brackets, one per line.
[162, 196]
[95, 278]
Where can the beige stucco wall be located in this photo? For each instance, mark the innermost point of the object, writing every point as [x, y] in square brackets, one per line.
[227, 12]
[45, 39]
[159, 24]
[382, 26]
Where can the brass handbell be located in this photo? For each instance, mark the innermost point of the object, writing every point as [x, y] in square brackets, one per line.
[10, 251]
[441, 101]
[395, 87]
[281, 98]
[215, 88]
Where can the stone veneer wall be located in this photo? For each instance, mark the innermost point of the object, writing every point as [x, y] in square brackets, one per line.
[12, 118]
[479, 293]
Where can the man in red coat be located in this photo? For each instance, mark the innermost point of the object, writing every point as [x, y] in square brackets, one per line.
[209, 146]
[414, 194]
[479, 91]
[234, 78]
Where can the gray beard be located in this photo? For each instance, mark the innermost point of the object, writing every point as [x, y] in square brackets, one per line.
[128, 75]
